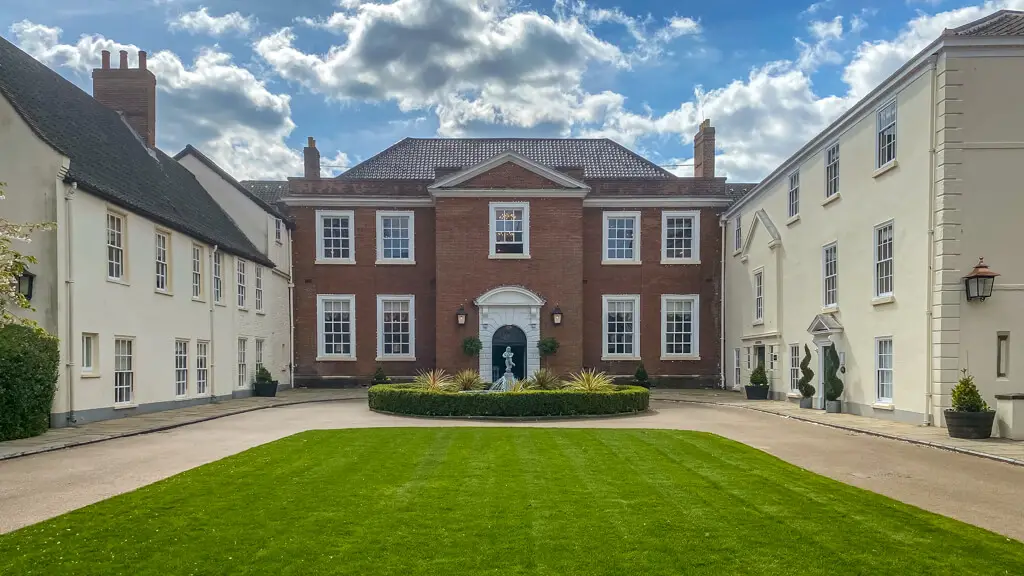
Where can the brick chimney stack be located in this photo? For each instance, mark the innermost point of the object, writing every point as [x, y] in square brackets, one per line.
[704, 151]
[311, 160]
[130, 91]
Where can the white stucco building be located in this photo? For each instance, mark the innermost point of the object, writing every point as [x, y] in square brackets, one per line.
[163, 293]
[861, 239]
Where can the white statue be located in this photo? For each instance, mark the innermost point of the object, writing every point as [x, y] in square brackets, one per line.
[508, 359]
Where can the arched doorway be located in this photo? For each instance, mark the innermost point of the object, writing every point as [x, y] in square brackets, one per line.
[505, 307]
[514, 338]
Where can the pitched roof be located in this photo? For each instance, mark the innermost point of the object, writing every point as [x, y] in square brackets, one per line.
[109, 160]
[416, 158]
[270, 191]
[1001, 23]
[190, 150]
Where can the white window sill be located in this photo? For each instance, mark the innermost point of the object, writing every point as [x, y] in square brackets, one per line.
[830, 309]
[887, 167]
[621, 262]
[758, 323]
[833, 198]
[620, 358]
[89, 375]
[509, 256]
[278, 242]
[396, 359]
[221, 304]
[671, 261]
[882, 300]
[793, 220]
[243, 309]
[794, 395]
[335, 358]
[736, 251]
[261, 312]
[395, 262]
[202, 300]
[163, 292]
[118, 281]
[334, 261]
[125, 406]
[687, 357]
[883, 406]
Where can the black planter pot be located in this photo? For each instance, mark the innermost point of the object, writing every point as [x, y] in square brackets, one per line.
[971, 425]
[265, 389]
[757, 392]
[807, 402]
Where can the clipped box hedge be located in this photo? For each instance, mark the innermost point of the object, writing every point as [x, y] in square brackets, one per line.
[407, 399]
[28, 380]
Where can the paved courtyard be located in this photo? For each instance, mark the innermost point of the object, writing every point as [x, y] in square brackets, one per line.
[983, 492]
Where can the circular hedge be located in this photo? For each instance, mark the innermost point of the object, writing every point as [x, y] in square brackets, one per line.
[411, 400]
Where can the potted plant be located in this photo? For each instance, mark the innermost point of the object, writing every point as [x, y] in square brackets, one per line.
[758, 388]
[379, 377]
[970, 416]
[471, 345]
[547, 347]
[640, 377]
[804, 385]
[833, 385]
[264, 384]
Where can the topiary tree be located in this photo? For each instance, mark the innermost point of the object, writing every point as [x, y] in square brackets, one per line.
[471, 345]
[965, 396]
[640, 377]
[28, 379]
[547, 346]
[379, 377]
[758, 377]
[833, 385]
[804, 385]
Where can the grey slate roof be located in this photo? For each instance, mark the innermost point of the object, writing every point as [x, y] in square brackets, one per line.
[190, 150]
[109, 160]
[270, 191]
[1001, 23]
[416, 158]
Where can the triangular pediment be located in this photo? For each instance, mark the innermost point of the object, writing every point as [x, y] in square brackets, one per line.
[762, 220]
[508, 170]
[825, 324]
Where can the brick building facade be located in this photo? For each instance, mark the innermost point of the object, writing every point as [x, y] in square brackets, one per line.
[503, 232]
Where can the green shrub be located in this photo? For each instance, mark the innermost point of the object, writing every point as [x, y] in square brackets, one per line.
[435, 380]
[589, 381]
[758, 377]
[29, 361]
[520, 385]
[467, 380]
[833, 385]
[379, 377]
[804, 385]
[263, 375]
[966, 397]
[545, 379]
[471, 345]
[547, 346]
[405, 399]
[640, 377]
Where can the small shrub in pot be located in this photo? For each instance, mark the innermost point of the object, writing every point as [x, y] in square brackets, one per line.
[970, 416]
[264, 384]
[758, 388]
[640, 377]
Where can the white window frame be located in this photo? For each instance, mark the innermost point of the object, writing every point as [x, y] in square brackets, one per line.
[749, 355]
[162, 258]
[218, 278]
[770, 358]
[492, 226]
[277, 230]
[759, 296]
[381, 215]
[180, 368]
[124, 379]
[90, 354]
[606, 219]
[197, 272]
[737, 367]
[116, 246]
[242, 366]
[794, 194]
[411, 300]
[259, 346]
[241, 277]
[202, 368]
[1002, 355]
[879, 164]
[694, 216]
[321, 354]
[832, 170]
[605, 301]
[794, 367]
[694, 300]
[881, 398]
[321, 258]
[826, 302]
[880, 263]
[737, 234]
[259, 289]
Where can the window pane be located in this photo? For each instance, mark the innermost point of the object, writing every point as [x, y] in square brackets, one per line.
[679, 237]
[620, 327]
[679, 334]
[794, 194]
[794, 367]
[395, 237]
[831, 271]
[161, 261]
[336, 237]
[508, 231]
[883, 370]
[620, 233]
[395, 328]
[337, 327]
[884, 260]
[124, 376]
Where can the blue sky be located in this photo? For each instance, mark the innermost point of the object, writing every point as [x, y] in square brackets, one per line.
[247, 80]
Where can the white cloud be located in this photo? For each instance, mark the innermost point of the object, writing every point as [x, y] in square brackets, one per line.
[212, 103]
[825, 33]
[816, 7]
[857, 24]
[201, 22]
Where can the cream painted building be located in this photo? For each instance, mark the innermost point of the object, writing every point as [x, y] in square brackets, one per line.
[162, 293]
[861, 239]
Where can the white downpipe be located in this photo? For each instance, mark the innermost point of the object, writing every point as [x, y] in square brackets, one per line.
[69, 289]
[721, 312]
[212, 369]
[930, 297]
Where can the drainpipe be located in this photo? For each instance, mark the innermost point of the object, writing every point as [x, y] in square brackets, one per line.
[721, 311]
[211, 379]
[69, 289]
[930, 284]
[291, 315]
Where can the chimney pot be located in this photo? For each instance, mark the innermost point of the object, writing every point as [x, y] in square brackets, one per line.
[704, 151]
[105, 54]
[130, 92]
[124, 59]
[310, 142]
[142, 59]
[310, 160]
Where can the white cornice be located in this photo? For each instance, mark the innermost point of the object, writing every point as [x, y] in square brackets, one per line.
[540, 169]
[657, 202]
[333, 201]
[508, 193]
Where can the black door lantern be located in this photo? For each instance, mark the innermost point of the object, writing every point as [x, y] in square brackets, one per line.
[556, 316]
[460, 316]
[980, 281]
[26, 283]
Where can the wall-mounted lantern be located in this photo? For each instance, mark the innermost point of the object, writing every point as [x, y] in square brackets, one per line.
[26, 283]
[556, 316]
[980, 281]
[460, 316]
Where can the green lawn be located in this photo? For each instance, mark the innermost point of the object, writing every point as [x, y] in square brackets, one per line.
[446, 501]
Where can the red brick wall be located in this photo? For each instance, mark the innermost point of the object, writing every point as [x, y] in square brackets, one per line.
[508, 175]
[465, 271]
[131, 91]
